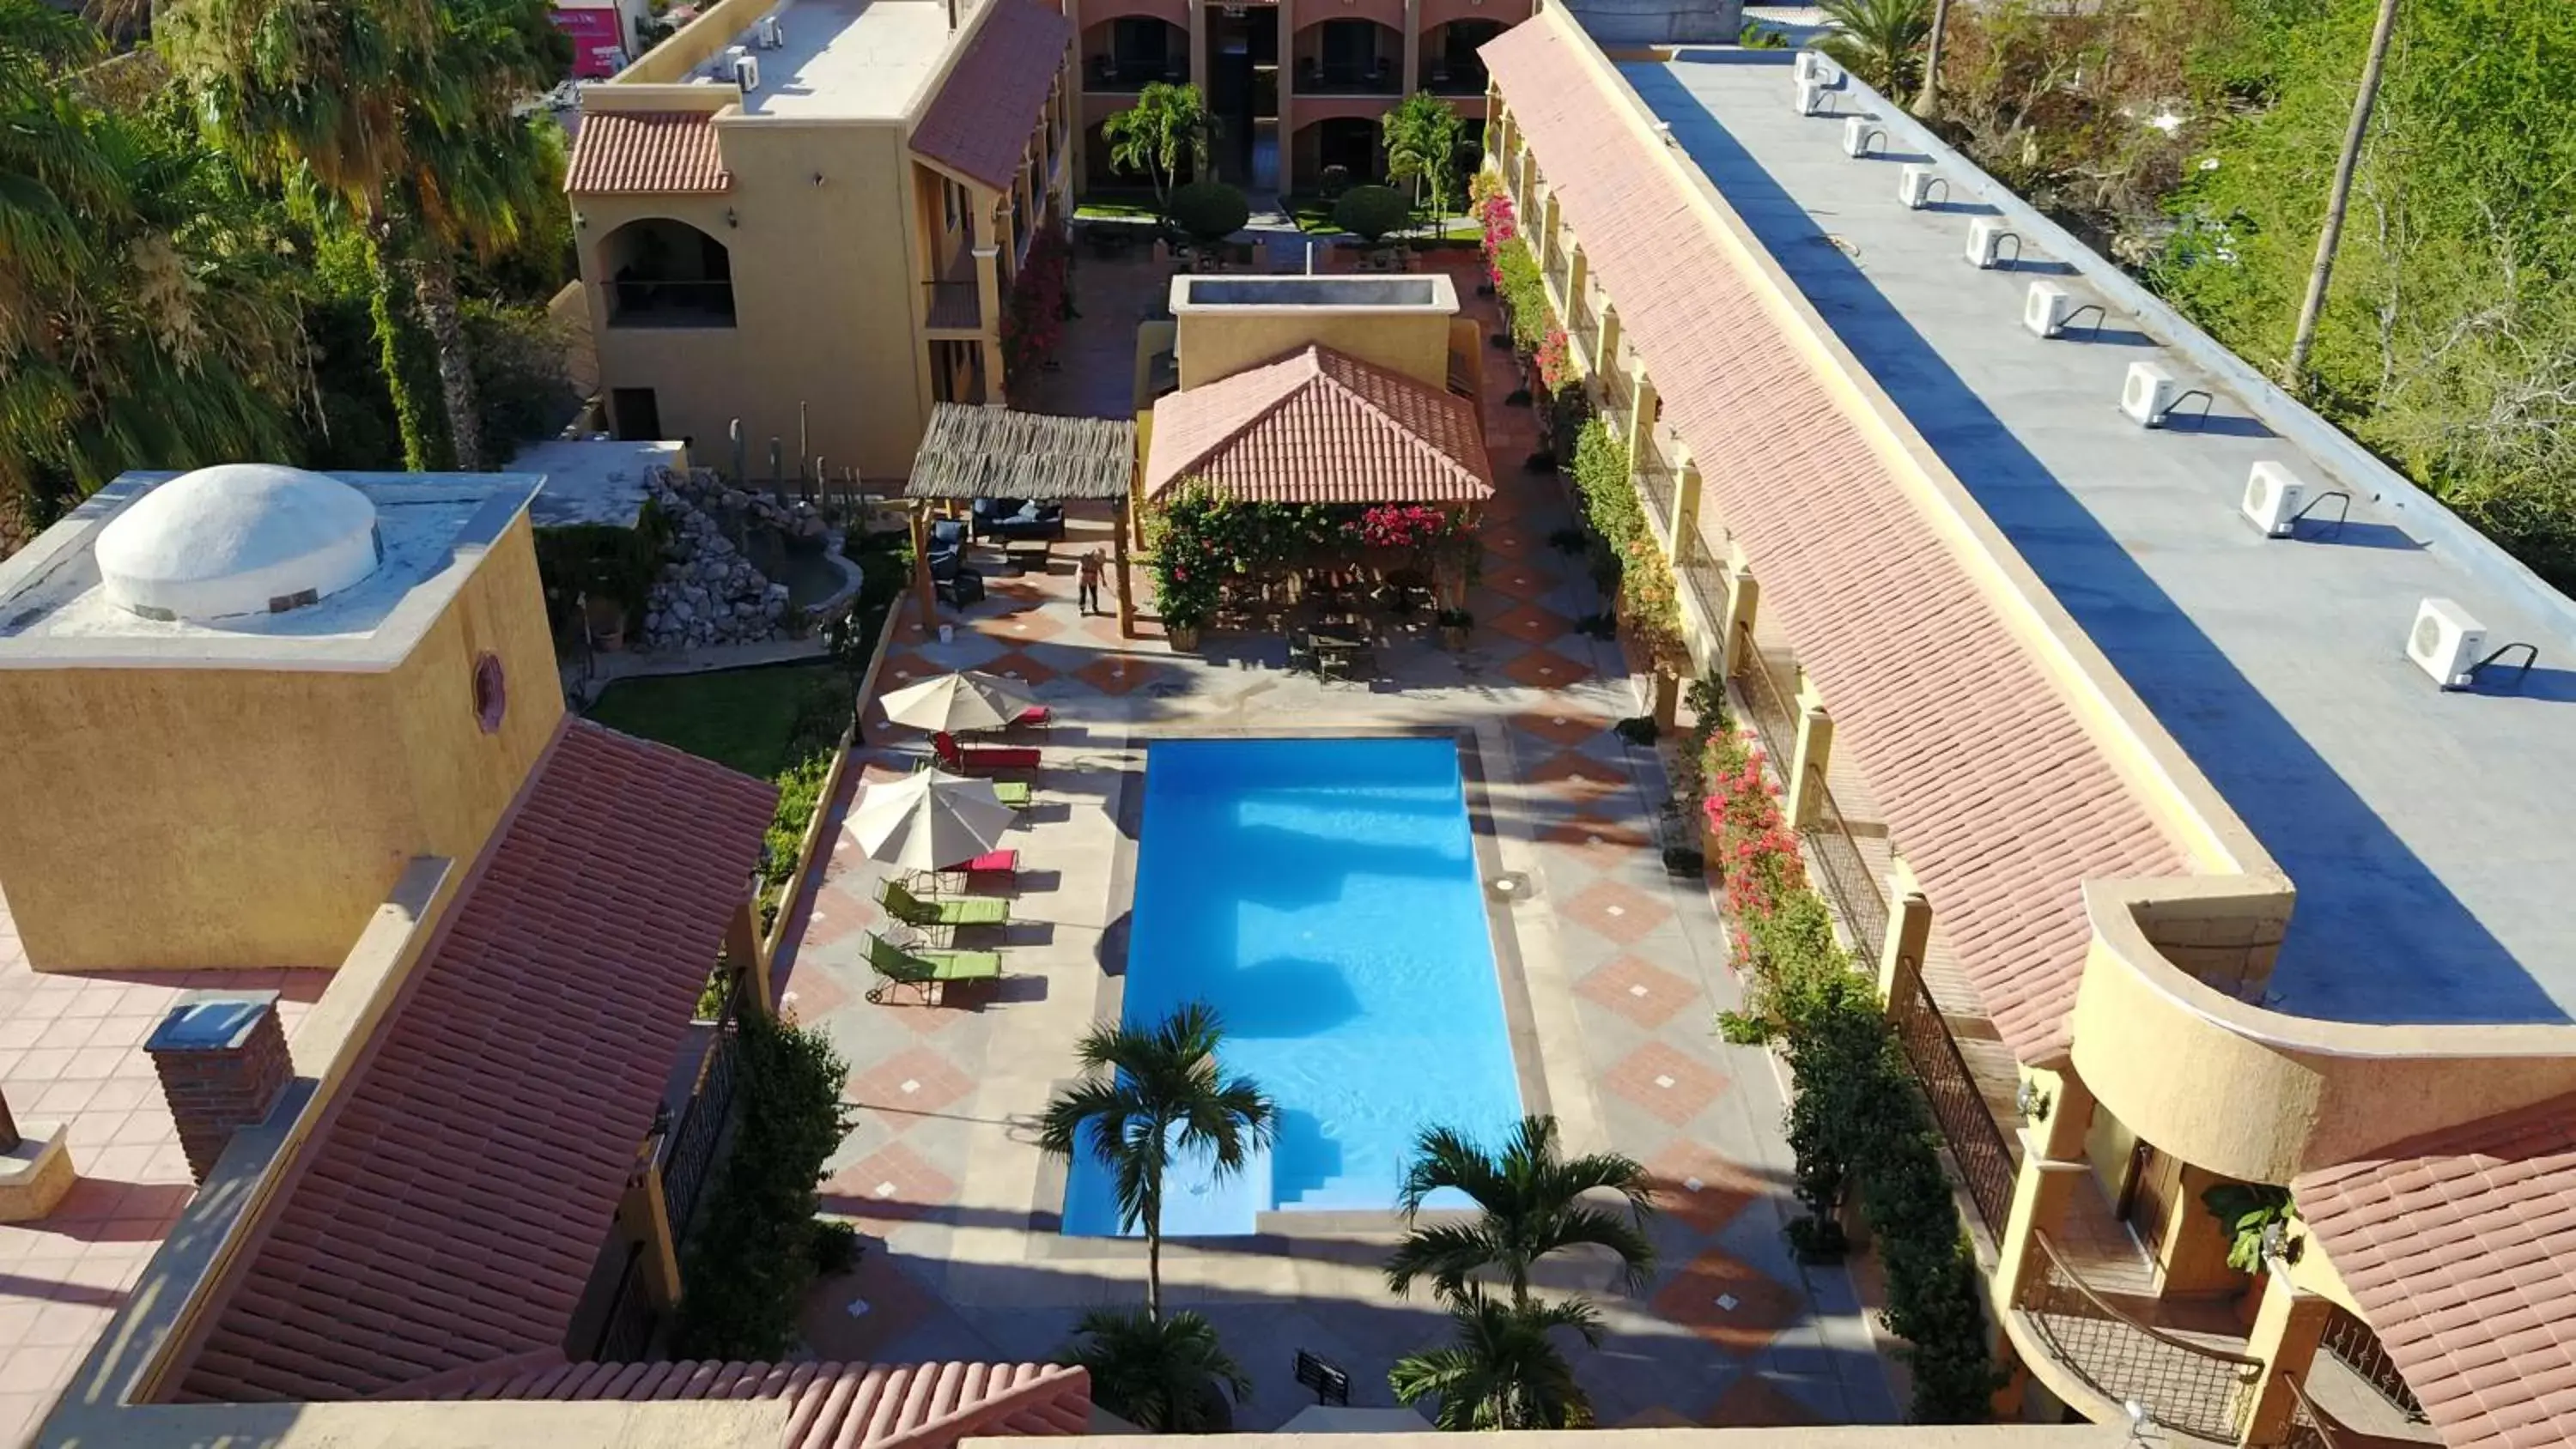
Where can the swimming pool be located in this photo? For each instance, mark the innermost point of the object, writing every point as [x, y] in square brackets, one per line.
[1322, 895]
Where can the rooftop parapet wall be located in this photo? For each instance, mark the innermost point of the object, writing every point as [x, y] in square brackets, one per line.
[2256, 1094]
[697, 42]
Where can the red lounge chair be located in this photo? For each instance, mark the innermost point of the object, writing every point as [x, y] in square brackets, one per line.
[1002, 863]
[984, 757]
[1036, 716]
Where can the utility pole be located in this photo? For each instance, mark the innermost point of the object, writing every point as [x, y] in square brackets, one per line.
[1927, 102]
[2294, 372]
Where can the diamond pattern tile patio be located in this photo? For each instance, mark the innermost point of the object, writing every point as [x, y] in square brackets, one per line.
[1622, 913]
[1019, 668]
[1753, 1401]
[1639, 990]
[1696, 1185]
[1569, 773]
[1728, 1303]
[908, 1084]
[1520, 579]
[1563, 728]
[1672, 1086]
[812, 995]
[852, 1318]
[1119, 674]
[1597, 841]
[1021, 626]
[894, 1184]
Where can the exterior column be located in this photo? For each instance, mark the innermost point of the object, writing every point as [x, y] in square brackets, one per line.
[1578, 273]
[1815, 750]
[1412, 47]
[1607, 344]
[925, 593]
[1198, 45]
[1735, 631]
[744, 947]
[988, 299]
[1909, 934]
[1550, 239]
[1118, 565]
[2040, 1197]
[1287, 92]
[1686, 491]
[2286, 1331]
[645, 1213]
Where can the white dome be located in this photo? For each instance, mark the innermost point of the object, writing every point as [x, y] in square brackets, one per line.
[237, 538]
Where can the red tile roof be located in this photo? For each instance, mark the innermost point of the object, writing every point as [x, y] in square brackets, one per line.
[1319, 426]
[2001, 803]
[456, 1193]
[836, 1405]
[978, 125]
[646, 151]
[2460, 1246]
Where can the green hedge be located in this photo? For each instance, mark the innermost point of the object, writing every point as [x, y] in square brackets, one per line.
[1524, 295]
[744, 1272]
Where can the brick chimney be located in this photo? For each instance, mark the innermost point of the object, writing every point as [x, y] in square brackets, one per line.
[222, 1059]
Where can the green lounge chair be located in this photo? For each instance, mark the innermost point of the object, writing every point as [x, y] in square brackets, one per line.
[938, 913]
[1018, 794]
[926, 971]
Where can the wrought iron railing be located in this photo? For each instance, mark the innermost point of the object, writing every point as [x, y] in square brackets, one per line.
[1656, 488]
[1775, 721]
[1976, 1141]
[690, 1151]
[1618, 395]
[1585, 324]
[2189, 1389]
[2307, 1427]
[2357, 1348]
[1705, 577]
[626, 1333]
[1848, 878]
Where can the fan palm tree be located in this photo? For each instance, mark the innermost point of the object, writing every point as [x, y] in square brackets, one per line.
[1151, 1095]
[1878, 40]
[1504, 1371]
[1531, 1203]
[1169, 127]
[1422, 139]
[1167, 1376]
[397, 112]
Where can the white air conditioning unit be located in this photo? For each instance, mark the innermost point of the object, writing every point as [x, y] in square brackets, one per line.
[1914, 186]
[1814, 98]
[2044, 310]
[2147, 394]
[1812, 67]
[772, 34]
[2445, 642]
[1858, 132]
[1985, 241]
[2273, 497]
[746, 73]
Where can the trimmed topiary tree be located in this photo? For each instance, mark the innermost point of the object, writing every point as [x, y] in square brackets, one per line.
[1209, 211]
[1371, 212]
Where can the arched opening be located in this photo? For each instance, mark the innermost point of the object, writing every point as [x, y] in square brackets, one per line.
[1339, 151]
[1124, 55]
[1349, 58]
[1450, 65]
[666, 273]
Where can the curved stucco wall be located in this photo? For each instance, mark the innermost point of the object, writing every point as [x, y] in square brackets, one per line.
[2262, 1096]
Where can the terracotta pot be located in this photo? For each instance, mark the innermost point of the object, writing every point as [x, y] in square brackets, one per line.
[1184, 638]
[1454, 636]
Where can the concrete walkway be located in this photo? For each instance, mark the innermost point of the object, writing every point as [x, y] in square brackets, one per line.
[1624, 971]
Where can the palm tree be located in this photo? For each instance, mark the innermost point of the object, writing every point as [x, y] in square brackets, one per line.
[1168, 128]
[1877, 39]
[1422, 139]
[1531, 1204]
[397, 112]
[1927, 102]
[1168, 1376]
[2338, 196]
[1504, 1372]
[1151, 1095]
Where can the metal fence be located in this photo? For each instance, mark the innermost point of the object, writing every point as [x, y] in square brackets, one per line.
[691, 1151]
[1848, 878]
[2357, 1348]
[626, 1333]
[2202, 1392]
[1705, 577]
[2306, 1428]
[1768, 703]
[1976, 1140]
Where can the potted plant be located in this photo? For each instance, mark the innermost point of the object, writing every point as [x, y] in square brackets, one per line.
[1454, 626]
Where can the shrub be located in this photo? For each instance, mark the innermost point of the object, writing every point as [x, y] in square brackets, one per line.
[750, 1262]
[1372, 212]
[1650, 602]
[1209, 211]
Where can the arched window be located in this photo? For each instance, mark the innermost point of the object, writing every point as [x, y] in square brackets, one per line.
[665, 273]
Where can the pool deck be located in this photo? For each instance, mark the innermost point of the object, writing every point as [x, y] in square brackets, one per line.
[1623, 973]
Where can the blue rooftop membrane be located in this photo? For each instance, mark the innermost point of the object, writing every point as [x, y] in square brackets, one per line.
[2428, 833]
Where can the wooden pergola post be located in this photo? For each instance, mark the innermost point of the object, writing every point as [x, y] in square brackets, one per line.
[923, 589]
[1126, 599]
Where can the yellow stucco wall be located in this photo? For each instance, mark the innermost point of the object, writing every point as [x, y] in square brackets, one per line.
[1221, 342]
[175, 819]
[827, 299]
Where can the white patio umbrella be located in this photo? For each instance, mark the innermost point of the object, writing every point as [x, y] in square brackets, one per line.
[955, 703]
[928, 820]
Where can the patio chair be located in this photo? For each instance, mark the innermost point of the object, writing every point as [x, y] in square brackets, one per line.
[926, 971]
[1004, 864]
[1035, 717]
[967, 760]
[942, 915]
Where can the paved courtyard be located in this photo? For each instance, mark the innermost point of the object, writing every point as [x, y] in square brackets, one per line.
[1623, 972]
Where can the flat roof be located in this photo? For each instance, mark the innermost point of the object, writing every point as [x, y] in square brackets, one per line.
[842, 59]
[2426, 831]
[594, 480]
[434, 527]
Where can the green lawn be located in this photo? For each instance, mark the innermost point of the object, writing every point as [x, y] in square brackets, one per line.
[745, 718]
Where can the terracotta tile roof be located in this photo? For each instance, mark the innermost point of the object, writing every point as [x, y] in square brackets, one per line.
[2460, 1246]
[979, 123]
[646, 151]
[1999, 800]
[1319, 426]
[450, 1209]
[837, 1405]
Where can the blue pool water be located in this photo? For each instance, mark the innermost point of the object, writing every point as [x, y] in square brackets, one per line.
[1322, 896]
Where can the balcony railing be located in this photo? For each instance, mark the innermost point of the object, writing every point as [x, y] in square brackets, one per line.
[2189, 1389]
[2308, 1428]
[1585, 324]
[1443, 78]
[639, 302]
[1108, 75]
[2357, 1348]
[1657, 488]
[1378, 77]
[1704, 577]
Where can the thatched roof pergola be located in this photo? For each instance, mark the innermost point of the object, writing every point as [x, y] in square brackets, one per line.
[973, 451]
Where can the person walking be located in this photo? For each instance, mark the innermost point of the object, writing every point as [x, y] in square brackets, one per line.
[1089, 591]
